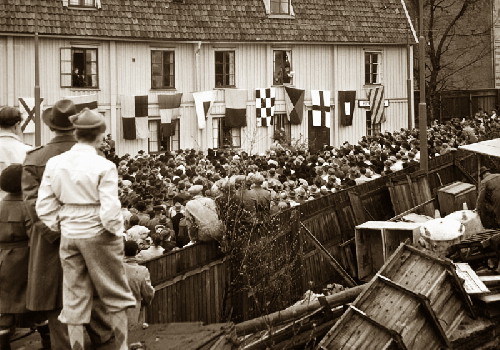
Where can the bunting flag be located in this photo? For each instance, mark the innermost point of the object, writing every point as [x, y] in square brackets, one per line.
[376, 98]
[27, 108]
[294, 102]
[169, 111]
[134, 110]
[321, 107]
[347, 102]
[236, 108]
[203, 102]
[84, 101]
[264, 103]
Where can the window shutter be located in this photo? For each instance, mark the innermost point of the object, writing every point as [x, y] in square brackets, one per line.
[66, 67]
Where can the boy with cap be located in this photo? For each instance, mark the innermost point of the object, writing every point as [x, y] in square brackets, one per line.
[79, 196]
[44, 290]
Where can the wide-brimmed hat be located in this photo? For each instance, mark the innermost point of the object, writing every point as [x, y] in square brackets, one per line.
[57, 117]
[88, 119]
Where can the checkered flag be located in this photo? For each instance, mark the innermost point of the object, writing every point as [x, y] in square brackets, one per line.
[264, 103]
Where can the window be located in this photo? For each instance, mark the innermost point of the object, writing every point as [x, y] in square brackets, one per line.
[172, 143]
[371, 129]
[225, 137]
[282, 128]
[162, 69]
[224, 69]
[280, 7]
[82, 3]
[372, 67]
[282, 67]
[154, 136]
[79, 68]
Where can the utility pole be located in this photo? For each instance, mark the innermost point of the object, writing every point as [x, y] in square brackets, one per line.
[38, 125]
[422, 106]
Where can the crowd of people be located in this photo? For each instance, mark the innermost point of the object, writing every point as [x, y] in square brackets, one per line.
[87, 212]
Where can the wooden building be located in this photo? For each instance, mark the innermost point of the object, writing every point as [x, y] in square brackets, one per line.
[115, 48]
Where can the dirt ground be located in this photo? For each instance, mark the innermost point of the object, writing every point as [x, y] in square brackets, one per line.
[173, 336]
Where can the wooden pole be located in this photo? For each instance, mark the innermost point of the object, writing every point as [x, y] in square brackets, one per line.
[338, 268]
[282, 316]
[38, 126]
[422, 106]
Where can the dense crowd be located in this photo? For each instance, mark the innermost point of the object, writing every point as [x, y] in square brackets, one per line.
[154, 188]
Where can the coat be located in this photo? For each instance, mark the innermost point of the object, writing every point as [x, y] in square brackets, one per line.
[44, 290]
[14, 254]
[139, 281]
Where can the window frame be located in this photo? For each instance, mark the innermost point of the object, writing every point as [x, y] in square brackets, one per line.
[275, 7]
[369, 67]
[81, 3]
[171, 75]
[282, 77]
[225, 75]
[218, 134]
[158, 135]
[65, 63]
[371, 129]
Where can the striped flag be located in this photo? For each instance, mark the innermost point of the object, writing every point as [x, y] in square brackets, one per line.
[27, 108]
[236, 108]
[203, 102]
[84, 101]
[134, 111]
[294, 102]
[321, 108]
[264, 104]
[376, 98]
[169, 112]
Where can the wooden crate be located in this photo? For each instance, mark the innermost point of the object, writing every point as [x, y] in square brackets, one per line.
[377, 240]
[453, 196]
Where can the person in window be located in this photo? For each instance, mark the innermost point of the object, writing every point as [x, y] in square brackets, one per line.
[286, 71]
[78, 78]
[78, 196]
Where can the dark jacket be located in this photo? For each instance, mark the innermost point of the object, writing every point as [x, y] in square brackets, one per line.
[488, 201]
[45, 273]
[14, 254]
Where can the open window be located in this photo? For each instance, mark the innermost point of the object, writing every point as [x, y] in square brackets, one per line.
[223, 136]
[79, 68]
[282, 72]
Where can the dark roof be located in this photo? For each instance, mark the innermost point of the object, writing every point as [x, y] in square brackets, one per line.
[362, 21]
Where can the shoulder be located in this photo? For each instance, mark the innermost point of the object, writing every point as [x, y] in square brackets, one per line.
[32, 153]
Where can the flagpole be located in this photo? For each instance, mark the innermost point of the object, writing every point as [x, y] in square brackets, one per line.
[38, 128]
[422, 106]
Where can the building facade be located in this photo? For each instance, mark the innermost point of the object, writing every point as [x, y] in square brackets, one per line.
[110, 48]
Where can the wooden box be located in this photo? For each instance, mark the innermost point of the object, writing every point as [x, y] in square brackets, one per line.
[453, 196]
[377, 240]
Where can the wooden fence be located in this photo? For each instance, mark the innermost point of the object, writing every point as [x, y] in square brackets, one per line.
[191, 284]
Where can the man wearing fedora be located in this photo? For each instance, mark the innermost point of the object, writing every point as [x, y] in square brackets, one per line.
[78, 196]
[12, 149]
[44, 290]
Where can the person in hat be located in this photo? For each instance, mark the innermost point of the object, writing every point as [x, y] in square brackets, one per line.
[14, 256]
[44, 290]
[78, 195]
[12, 149]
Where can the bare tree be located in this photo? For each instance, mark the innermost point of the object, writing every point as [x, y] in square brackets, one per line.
[458, 38]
